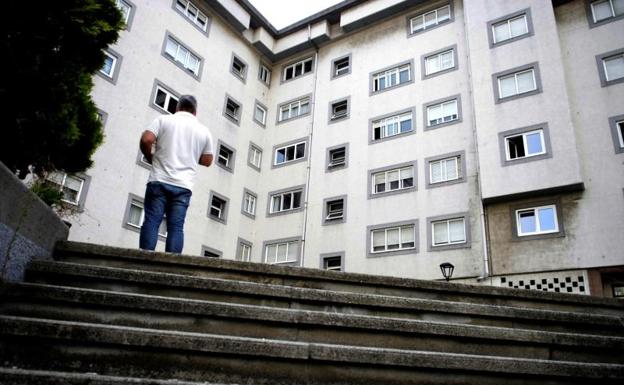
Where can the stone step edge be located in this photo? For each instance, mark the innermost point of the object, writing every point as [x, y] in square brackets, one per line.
[317, 295]
[294, 317]
[101, 251]
[277, 349]
[36, 376]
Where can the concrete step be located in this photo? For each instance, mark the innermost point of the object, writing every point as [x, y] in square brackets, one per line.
[124, 309]
[330, 280]
[39, 344]
[14, 376]
[229, 291]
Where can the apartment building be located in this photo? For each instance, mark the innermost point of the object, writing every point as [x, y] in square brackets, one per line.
[383, 137]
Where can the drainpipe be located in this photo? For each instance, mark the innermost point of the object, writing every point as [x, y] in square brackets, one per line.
[482, 212]
[309, 149]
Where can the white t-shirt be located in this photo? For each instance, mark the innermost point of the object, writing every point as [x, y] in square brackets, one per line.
[180, 141]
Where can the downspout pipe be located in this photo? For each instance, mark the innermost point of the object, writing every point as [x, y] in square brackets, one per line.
[310, 138]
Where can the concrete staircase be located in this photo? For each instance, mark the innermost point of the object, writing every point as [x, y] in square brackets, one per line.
[102, 315]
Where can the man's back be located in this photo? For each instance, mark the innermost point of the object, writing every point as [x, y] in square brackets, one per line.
[180, 142]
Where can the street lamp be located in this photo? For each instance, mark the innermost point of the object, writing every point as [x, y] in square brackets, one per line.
[447, 270]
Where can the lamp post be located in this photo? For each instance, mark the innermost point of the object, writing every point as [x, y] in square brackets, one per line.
[447, 270]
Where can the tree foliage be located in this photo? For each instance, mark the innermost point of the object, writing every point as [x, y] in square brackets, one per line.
[50, 52]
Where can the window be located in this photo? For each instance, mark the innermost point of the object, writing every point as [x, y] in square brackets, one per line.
[249, 203]
[126, 8]
[510, 29]
[332, 262]
[517, 82]
[617, 132]
[210, 252]
[525, 145]
[392, 77]
[297, 69]
[255, 156]
[110, 61]
[282, 252]
[293, 109]
[197, 17]
[232, 109]
[391, 125]
[334, 210]
[445, 170]
[243, 251]
[339, 110]
[337, 157]
[439, 62]
[606, 10]
[431, 19]
[537, 220]
[290, 152]
[393, 239]
[618, 291]
[218, 207]
[341, 66]
[238, 67]
[285, 201]
[611, 67]
[260, 114]
[71, 186]
[182, 56]
[442, 113]
[135, 215]
[165, 100]
[264, 74]
[390, 180]
[225, 156]
[448, 232]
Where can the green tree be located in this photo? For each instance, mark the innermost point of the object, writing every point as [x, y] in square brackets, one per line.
[51, 49]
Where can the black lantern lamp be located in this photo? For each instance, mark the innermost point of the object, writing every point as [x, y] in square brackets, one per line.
[447, 270]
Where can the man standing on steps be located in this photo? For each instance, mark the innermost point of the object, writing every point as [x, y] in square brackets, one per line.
[181, 144]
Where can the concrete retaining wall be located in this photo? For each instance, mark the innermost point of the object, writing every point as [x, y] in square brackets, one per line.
[28, 227]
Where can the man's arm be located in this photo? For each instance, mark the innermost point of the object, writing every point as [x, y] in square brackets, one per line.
[147, 141]
[206, 160]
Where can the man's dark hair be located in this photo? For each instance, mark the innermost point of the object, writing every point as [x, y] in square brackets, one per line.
[187, 103]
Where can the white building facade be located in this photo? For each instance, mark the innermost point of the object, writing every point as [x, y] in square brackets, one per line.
[382, 137]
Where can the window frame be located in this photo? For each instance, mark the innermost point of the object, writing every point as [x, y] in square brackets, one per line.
[426, 106]
[507, 18]
[589, 11]
[326, 201]
[293, 189]
[239, 112]
[224, 211]
[423, 62]
[252, 145]
[516, 209]
[399, 113]
[330, 111]
[289, 103]
[423, 12]
[206, 30]
[240, 75]
[391, 225]
[117, 60]
[386, 169]
[268, 70]
[130, 17]
[239, 249]
[82, 193]
[168, 90]
[293, 64]
[266, 113]
[326, 256]
[255, 204]
[537, 80]
[332, 74]
[602, 71]
[328, 166]
[294, 142]
[132, 198]
[231, 161]
[204, 249]
[373, 74]
[266, 244]
[616, 133]
[437, 158]
[466, 244]
[502, 139]
[171, 36]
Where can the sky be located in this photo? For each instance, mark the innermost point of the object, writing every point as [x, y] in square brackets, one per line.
[282, 13]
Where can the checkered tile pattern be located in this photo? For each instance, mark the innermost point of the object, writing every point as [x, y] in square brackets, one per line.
[574, 282]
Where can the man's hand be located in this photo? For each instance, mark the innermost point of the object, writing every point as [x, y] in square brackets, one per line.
[147, 141]
[206, 160]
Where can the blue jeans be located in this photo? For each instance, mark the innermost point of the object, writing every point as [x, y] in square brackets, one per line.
[161, 199]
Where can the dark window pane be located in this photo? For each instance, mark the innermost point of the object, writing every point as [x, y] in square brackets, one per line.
[290, 153]
[300, 150]
[287, 200]
[172, 105]
[297, 199]
[160, 98]
[308, 66]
